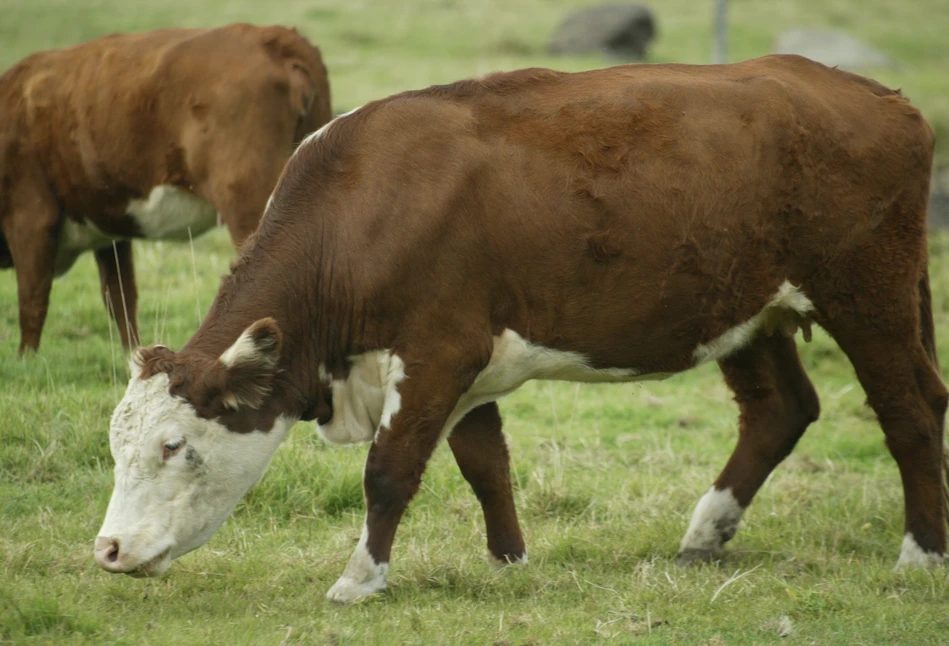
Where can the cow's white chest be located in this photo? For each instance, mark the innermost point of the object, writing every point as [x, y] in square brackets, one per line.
[366, 399]
[171, 213]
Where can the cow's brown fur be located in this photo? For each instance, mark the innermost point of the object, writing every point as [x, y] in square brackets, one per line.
[627, 214]
[84, 130]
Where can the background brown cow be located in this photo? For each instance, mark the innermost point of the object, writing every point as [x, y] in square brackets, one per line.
[158, 135]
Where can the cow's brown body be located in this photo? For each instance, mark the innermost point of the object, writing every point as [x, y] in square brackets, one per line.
[86, 131]
[630, 216]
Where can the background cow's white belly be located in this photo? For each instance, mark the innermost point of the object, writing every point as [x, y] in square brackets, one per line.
[168, 213]
[171, 213]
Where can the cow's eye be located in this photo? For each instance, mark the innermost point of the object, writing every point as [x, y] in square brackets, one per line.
[172, 447]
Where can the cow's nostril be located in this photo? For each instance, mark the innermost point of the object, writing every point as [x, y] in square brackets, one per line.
[107, 551]
[113, 552]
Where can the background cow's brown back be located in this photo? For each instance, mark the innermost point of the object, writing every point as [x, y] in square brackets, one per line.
[145, 135]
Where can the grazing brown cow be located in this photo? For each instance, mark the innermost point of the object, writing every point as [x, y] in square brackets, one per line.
[157, 135]
[429, 253]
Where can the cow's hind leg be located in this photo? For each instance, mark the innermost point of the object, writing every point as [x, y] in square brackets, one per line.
[777, 403]
[910, 400]
[478, 445]
[117, 278]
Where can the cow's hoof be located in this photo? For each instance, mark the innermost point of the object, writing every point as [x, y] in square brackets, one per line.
[346, 590]
[912, 556]
[694, 556]
[499, 564]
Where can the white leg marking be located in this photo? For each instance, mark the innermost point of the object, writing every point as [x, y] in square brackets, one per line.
[714, 522]
[362, 576]
[913, 556]
[499, 564]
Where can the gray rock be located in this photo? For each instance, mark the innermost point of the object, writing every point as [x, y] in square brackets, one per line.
[830, 48]
[619, 30]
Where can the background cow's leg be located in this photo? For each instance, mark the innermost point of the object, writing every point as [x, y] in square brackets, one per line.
[117, 278]
[910, 401]
[777, 402]
[31, 227]
[393, 472]
[478, 445]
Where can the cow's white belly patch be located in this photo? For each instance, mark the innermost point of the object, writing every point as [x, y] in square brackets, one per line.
[172, 213]
[76, 238]
[515, 361]
[365, 402]
[169, 213]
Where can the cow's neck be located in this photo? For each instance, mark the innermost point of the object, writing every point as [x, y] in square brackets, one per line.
[258, 288]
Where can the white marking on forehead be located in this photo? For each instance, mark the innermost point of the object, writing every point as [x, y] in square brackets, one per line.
[315, 136]
[788, 302]
[169, 213]
[714, 522]
[362, 576]
[913, 556]
[366, 399]
[147, 405]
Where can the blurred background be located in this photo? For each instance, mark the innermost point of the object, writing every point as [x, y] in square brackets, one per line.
[374, 48]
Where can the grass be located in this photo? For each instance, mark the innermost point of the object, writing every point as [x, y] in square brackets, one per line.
[606, 477]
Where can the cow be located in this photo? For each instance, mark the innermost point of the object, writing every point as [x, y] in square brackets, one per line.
[157, 135]
[428, 253]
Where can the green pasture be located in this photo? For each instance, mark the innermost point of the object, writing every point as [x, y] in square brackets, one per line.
[605, 477]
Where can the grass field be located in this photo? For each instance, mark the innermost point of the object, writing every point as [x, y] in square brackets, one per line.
[606, 477]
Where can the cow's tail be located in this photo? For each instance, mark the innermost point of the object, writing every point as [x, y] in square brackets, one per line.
[928, 332]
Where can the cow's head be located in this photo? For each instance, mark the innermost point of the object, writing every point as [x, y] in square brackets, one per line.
[179, 467]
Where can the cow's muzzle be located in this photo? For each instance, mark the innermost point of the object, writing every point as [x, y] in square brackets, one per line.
[111, 558]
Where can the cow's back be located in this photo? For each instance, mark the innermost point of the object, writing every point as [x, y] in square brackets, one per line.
[112, 118]
[668, 193]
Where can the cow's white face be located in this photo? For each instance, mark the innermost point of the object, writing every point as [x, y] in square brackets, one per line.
[177, 475]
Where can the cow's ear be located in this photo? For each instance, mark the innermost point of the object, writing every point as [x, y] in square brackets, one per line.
[151, 360]
[250, 364]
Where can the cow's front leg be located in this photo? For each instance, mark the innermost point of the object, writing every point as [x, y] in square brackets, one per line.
[117, 278]
[415, 414]
[31, 227]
